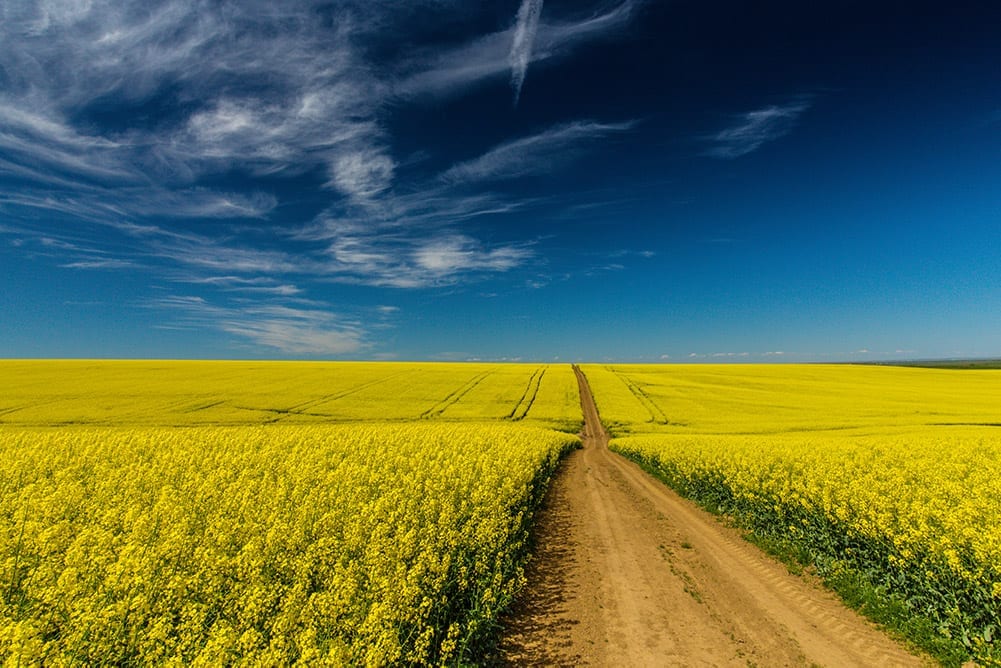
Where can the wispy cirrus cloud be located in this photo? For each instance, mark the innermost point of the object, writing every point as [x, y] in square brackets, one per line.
[232, 90]
[102, 263]
[256, 285]
[389, 259]
[162, 136]
[534, 154]
[449, 254]
[40, 146]
[439, 260]
[752, 129]
[495, 55]
[117, 206]
[296, 331]
[521, 44]
[203, 253]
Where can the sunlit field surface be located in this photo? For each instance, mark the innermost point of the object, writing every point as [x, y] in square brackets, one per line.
[204, 513]
[886, 476]
[47, 393]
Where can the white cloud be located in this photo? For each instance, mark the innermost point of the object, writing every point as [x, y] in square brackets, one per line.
[401, 261]
[362, 174]
[449, 255]
[534, 154]
[293, 331]
[260, 285]
[215, 256]
[100, 264]
[446, 72]
[196, 203]
[412, 240]
[753, 129]
[239, 93]
[293, 336]
[40, 145]
[521, 44]
[233, 95]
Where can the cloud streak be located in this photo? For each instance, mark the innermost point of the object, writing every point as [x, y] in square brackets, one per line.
[521, 45]
[388, 259]
[246, 151]
[230, 91]
[752, 129]
[443, 72]
[295, 331]
[534, 154]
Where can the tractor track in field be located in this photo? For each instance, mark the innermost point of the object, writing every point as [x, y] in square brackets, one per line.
[656, 414]
[454, 397]
[524, 404]
[627, 573]
[301, 409]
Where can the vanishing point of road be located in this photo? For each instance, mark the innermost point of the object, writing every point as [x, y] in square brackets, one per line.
[627, 573]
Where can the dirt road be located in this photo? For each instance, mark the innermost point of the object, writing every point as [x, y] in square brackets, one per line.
[627, 573]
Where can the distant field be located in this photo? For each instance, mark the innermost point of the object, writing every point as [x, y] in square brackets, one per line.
[205, 513]
[948, 364]
[885, 475]
[760, 399]
[52, 393]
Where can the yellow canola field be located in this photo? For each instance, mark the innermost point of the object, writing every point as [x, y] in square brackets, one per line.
[269, 513]
[362, 544]
[144, 392]
[893, 474]
[773, 398]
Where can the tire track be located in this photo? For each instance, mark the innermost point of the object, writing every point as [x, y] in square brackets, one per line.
[204, 406]
[453, 397]
[14, 409]
[300, 408]
[524, 404]
[279, 414]
[657, 415]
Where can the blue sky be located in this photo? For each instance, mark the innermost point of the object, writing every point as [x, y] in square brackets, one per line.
[621, 180]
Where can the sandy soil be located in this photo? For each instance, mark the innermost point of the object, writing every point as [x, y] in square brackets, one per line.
[627, 573]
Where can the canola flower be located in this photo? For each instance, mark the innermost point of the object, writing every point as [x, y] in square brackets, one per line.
[364, 544]
[893, 475]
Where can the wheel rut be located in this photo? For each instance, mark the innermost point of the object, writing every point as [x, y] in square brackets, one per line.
[627, 573]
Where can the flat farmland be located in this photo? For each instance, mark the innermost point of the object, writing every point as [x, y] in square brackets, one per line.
[205, 513]
[778, 398]
[52, 393]
[883, 480]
